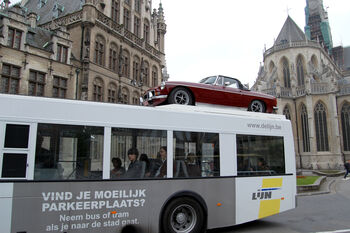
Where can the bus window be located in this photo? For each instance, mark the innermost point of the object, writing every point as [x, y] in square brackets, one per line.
[260, 155]
[68, 152]
[145, 144]
[16, 136]
[196, 154]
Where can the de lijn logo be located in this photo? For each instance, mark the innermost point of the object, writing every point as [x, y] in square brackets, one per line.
[268, 186]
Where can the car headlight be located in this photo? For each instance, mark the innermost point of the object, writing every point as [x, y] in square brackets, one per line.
[162, 85]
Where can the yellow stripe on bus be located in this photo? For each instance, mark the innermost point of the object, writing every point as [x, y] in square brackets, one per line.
[272, 183]
[269, 207]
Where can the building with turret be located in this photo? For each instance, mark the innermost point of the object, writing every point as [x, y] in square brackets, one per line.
[106, 51]
[312, 91]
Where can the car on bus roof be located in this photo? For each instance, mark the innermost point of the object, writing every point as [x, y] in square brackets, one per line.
[213, 90]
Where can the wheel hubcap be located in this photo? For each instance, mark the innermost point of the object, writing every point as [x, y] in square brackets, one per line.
[256, 107]
[183, 219]
[181, 97]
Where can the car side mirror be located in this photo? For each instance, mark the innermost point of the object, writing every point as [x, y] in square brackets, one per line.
[227, 84]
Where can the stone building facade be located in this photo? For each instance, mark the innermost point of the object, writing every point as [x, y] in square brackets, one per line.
[106, 51]
[313, 92]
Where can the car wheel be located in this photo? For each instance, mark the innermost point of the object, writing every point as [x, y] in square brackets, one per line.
[183, 215]
[180, 95]
[257, 106]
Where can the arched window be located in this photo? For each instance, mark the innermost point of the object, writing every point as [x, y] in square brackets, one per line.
[112, 93]
[125, 96]
[321, 127]
[271, 66]
[155, 76]
[286, 73]
[286, 112]
[98, 90]
[136, 68]
[345, 123]
[136, 98]
[146, 31]
[115, 10]
[99, 50]
[126, 64]
[305, 129]
[113, 57]
[300, 71]
[314, 61]
[146, 80]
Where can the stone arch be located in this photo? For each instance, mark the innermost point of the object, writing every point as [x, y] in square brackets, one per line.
[300, 68]
[271, 66]
[345, 124]
[112, 92]
[98, 89]
[136, 63]
[304, 125]
[321, 126]
[285, 68]
[146, 76]
[126, 63]
[100, 50]
[125, 95]
[113, 56]
[155, 76]
[286, 111]
[314, 61]
[136, 98]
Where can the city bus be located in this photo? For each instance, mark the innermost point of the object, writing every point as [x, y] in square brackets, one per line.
[77, 166]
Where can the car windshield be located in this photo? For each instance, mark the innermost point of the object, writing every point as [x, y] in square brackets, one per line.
[208, 80]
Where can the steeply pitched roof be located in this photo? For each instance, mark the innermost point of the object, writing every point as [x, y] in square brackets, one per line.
[40, 38]
[50, 9]
[290, 32]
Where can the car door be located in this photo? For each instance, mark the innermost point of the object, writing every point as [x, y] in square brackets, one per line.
[211, 93]
[233, 94]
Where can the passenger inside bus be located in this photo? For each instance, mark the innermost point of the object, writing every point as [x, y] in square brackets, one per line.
[136, 168]
[193, 166]
[161, 172]
[117, 171]
[144, 158]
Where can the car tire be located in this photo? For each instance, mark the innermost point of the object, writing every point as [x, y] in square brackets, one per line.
[183, 215]
[257, 106]
[180, 95]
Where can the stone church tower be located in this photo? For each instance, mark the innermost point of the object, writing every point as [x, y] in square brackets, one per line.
[313, 92]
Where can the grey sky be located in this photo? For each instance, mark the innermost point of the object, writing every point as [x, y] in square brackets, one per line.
[207, 37]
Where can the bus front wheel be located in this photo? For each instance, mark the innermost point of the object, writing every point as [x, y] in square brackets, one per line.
[183, 215]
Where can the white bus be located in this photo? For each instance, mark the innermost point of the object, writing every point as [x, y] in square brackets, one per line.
[175, 168]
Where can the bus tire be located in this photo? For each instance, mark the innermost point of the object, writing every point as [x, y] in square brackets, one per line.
[183, 215]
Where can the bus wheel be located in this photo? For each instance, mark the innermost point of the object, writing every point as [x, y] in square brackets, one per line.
[183, 215]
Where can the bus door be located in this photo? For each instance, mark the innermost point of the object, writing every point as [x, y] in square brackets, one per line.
[16, 150]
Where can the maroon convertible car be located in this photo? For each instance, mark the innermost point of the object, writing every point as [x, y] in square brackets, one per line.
[218, 90]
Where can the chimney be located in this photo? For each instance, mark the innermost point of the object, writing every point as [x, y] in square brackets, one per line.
[32, 19]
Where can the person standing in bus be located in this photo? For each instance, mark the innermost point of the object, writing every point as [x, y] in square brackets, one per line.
[161, 172]
[117, 170]
[135, 166]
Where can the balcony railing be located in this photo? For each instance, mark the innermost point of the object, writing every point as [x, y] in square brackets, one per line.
[319, 88]
[344, 89]
[271, 91]
[300, 90]
[286, 92]
[292, 45]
